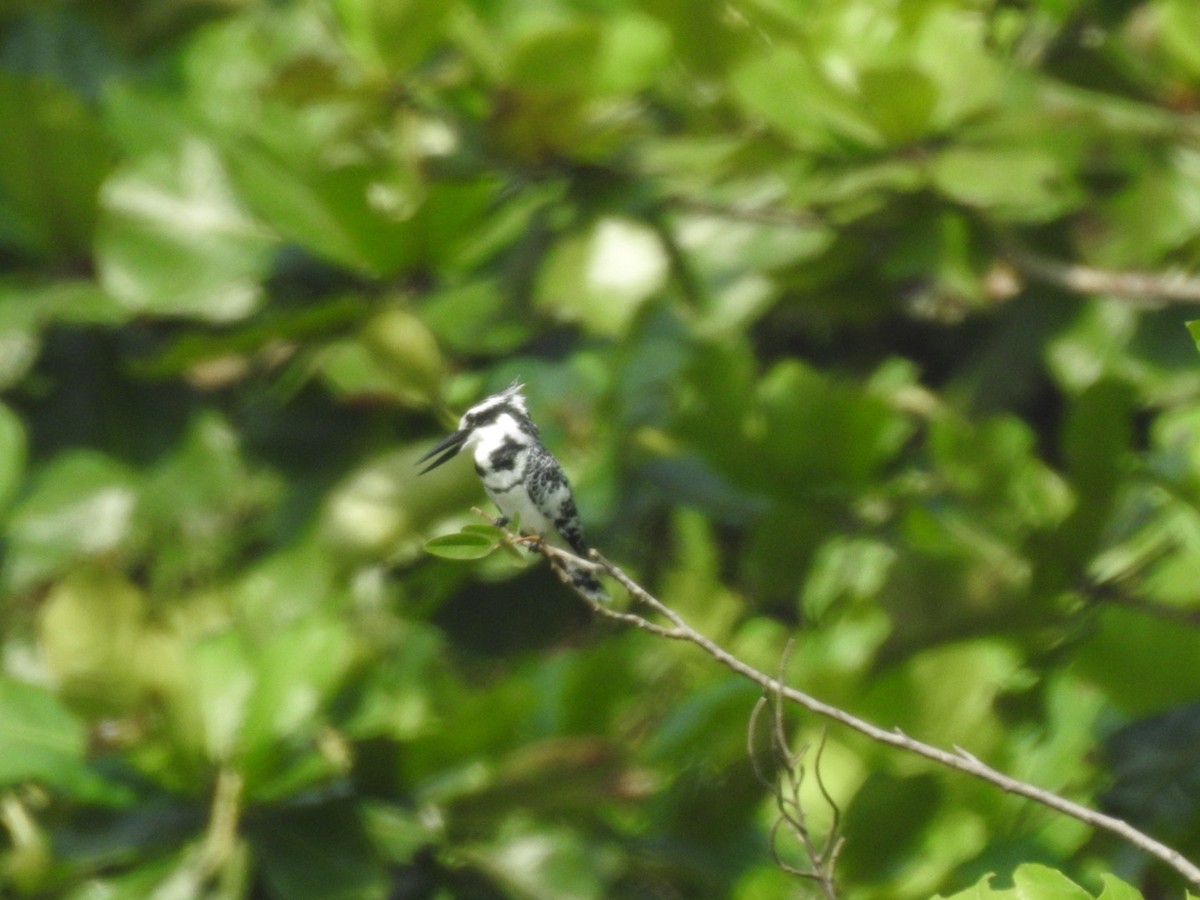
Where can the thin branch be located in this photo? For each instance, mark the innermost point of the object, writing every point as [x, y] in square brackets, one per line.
[1149, 290]
[1113, 595]
[557, 556]
[959, 760]
[220, 838]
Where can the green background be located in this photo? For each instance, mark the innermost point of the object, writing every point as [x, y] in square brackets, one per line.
[790, 284]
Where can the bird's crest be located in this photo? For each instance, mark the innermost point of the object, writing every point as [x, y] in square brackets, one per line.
[513, 395]
[509, 400]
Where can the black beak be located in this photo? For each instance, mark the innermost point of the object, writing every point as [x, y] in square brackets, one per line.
[448, 447]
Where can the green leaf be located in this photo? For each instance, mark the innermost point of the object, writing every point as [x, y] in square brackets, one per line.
[393, 35]
[956, 49]
[203, 504]
[1044, 883]
[558, 57]
[12, 455]
[1036, 185]
[845, 569]
[635, 50]
[475, 318]
[350, 370]
[81, 505]
[223, 683]
[406, 350]
[542, 864]
[318, 853]
[1038, 882]
[799, 433]
[602, 278]
[175, 240]
[40, 740]
[1155, 215]
[899, 101]
[793, 95]
[1140, 662]
[1178, 29]
[491, 532]
[1193, 327]
[886, 821]
[386, 505]
[91, 629]
[357, 215]
[297, 670]
[982, 890]
[1116, 889]
[464, 545]
[52, 160]
[617, 54]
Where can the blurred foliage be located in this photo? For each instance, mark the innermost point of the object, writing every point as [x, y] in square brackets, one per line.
[760, 264]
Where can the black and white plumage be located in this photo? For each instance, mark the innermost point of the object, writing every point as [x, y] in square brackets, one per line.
[520, 475]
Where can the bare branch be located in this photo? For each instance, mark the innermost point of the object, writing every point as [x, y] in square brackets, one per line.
[959, 760]
[835, 826]
[220, 838]
[1149, 290]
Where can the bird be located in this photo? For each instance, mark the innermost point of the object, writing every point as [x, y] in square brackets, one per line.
[520, 476]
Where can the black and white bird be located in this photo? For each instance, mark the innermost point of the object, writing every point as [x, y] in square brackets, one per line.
[520, 475]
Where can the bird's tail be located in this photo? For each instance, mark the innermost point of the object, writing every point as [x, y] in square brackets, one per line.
[585, 581]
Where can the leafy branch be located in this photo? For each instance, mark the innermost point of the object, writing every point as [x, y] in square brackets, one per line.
[958, 759]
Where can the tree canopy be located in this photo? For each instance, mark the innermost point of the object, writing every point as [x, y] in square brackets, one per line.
[858, 325]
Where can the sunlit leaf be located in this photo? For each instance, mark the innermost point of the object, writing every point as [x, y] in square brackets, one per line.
[1116, 889]
[81, 505]
[789, 91]
[174, 238]
[224, 680]
[405, 349]
[604, 277]
[91, 627]
[1036, 185]
[1035, 880]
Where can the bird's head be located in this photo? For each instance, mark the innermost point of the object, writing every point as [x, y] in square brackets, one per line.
[505, 410]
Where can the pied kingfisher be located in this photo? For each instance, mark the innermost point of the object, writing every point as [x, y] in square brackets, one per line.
[520, 475]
